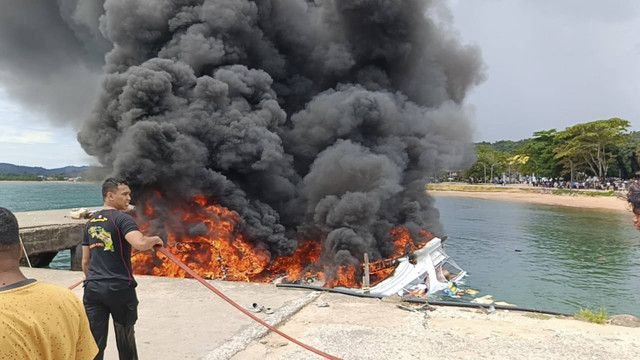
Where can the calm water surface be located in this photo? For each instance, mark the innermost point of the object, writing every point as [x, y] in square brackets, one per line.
[545, 257]
[536, 256]
[37, 195]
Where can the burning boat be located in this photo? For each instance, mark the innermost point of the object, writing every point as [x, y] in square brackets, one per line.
[215, 248]
[428, 268]
[271, 138]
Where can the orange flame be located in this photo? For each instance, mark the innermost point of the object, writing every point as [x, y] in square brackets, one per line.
[345, 276]
[219, 250]
[307, 253]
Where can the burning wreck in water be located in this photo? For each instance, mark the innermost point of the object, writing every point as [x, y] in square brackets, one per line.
[286, 137]
[215, 248]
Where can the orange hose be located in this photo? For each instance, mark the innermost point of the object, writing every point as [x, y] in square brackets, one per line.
[231, 302]
[75, 285]
[237, 306]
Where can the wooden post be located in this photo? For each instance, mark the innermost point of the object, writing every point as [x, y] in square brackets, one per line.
[365, 277]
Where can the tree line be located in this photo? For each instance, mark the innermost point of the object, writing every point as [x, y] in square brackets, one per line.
[601, 148]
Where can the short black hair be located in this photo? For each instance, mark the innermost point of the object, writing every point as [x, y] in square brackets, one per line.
[9, 230]
[633, 196]
[111, 185]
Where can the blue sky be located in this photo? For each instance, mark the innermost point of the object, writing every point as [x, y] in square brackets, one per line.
[550, 64]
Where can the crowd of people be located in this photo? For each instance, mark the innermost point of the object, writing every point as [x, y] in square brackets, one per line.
[588, 183]
[591, 183]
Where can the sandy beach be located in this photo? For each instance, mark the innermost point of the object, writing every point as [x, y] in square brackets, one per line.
[611, 203]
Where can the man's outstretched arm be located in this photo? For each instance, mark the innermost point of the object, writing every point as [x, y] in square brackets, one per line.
[141, 242]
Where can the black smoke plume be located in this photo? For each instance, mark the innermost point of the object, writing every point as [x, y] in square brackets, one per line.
[52, 54]
[310, 119]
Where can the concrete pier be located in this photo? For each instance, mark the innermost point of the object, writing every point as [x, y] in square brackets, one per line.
[45, 233]
[181, 319]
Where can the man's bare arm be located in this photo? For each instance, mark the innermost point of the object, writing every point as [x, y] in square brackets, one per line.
[86, 255]
[141, 242]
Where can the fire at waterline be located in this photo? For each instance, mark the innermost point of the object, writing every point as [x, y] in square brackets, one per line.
[214, 246]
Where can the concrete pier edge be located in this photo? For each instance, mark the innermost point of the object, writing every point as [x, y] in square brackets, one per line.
[256, 331]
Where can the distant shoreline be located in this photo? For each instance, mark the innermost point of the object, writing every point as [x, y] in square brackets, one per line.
[518, 194]
[50, 181]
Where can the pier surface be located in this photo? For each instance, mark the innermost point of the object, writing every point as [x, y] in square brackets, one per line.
[46, 232]
[180, 319]
[34, 219]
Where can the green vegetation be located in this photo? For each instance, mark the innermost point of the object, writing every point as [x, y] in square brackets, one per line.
[601, 148]
[599, 316]
[583, 192]
[592, 145]
[34, 173]
[24, 177]
[20, 178]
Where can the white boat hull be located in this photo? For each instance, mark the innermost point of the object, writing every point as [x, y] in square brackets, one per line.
[429, 261]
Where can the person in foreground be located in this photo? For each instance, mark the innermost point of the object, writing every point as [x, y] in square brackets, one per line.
[633, 197]
[37, 320]
[106, 261]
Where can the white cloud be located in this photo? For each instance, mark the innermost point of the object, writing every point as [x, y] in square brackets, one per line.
[28, 138]
[13, 136]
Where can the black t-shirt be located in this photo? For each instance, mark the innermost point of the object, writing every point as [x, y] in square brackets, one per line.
[110, 251]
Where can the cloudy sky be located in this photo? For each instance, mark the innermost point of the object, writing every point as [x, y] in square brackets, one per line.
[550, 64]
[29, 138]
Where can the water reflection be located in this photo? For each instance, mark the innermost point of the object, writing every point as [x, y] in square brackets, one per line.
[543, 256]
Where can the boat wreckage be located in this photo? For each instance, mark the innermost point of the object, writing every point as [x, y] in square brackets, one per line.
[422, 272]
[419, 273]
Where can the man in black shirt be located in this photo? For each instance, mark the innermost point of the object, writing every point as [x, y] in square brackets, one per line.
[106, 262]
